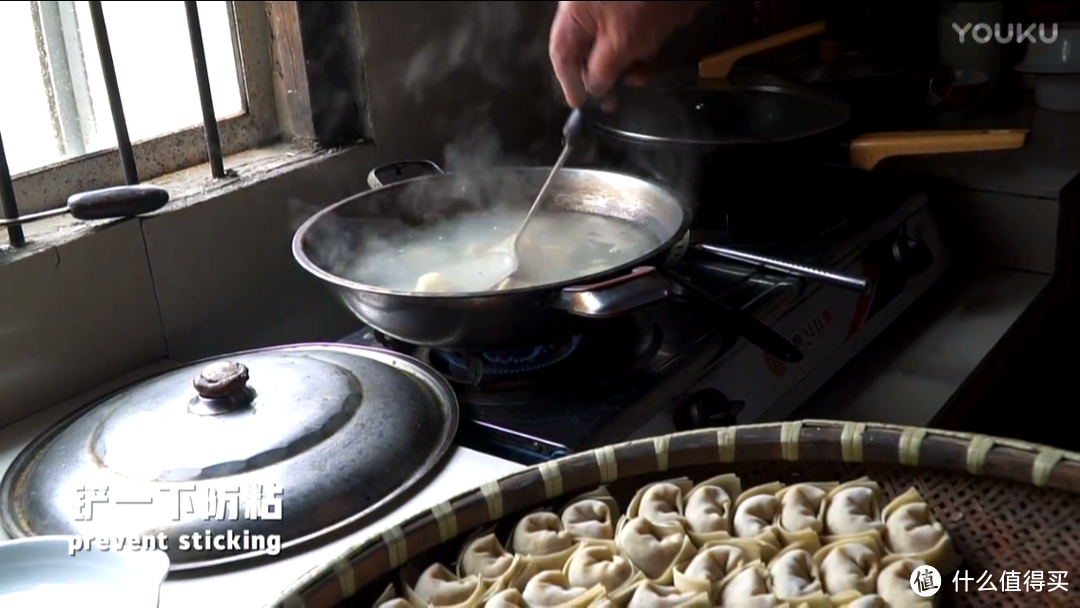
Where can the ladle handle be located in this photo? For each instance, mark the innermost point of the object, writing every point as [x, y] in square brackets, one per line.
[384, 175]
[720, 64]
[741, 323]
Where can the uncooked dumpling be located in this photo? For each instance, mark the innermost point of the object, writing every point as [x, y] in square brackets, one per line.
[912, 531]
[553, 589]
[801, 516]
[541, 536]
[661, 502]
[716, 561]
[709, 507]
[434, 282]
[438, 586]
[655, 549]
[591, 516]
[755, 511]
[749, 588]
[894, 585]
[484, 556]
[599, 563]
[651, 595]
[854, 508]
[794, 577]
[509, 598]
[849, 566]
[866, 601]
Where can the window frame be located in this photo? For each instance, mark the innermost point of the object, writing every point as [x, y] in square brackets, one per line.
[49, 187]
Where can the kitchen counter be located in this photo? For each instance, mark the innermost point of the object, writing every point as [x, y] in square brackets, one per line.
[262, 580]
[1041, 169]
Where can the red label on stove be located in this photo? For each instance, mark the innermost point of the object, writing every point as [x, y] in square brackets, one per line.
[810, 332]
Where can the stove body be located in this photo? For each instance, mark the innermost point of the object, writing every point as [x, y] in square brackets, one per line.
[676, 366]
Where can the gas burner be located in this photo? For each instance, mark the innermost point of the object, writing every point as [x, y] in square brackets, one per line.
[505, 363]
[603, 353]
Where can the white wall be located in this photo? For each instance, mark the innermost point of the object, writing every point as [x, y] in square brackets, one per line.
[217, 275]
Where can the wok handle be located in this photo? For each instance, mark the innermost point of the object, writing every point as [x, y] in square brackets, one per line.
[866, 151]
[384, 175]
[720, 64]
[614, 297]
[836, 279]
[756, 332]
[104, 204]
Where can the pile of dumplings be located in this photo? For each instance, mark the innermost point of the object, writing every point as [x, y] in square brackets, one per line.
[709, 544]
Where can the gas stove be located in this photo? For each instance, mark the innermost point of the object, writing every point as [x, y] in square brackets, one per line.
[678, 365]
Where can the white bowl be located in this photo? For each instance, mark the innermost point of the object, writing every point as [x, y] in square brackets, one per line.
[1062, 56]
[1058, 92]
[42, 572]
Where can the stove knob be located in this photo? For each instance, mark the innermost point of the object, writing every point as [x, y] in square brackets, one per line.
[912, 256]
[709, 409]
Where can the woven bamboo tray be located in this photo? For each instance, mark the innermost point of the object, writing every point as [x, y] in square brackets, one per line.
[1008, 505]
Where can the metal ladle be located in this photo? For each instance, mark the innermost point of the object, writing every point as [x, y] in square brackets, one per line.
[572, 131]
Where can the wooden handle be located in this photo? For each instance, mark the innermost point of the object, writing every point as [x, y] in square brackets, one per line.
[866, 151]
[720, 64]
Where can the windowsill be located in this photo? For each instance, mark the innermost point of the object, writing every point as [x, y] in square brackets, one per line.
[186, 188]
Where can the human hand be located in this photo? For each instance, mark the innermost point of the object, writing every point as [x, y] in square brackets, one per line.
[593, 44]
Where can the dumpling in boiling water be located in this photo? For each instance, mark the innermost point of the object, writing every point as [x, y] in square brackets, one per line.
[438, 586]
[661, 502]
[541, 536]
[655, 549]
[749, 588]
[591, 515]
[794, 577]
[484, 556]
[849, 568]
[599, 563]
[716, 560]
[894, 584]
[755, 511]
[853, 508]
[651, 595]
[434, 282]
[553, 589]
[709, 507]
[801, 517]
[912, 530]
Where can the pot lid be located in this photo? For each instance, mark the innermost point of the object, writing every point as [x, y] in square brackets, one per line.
[251, 453]
[746, 108]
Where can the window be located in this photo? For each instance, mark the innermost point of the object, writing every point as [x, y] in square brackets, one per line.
[55, 116]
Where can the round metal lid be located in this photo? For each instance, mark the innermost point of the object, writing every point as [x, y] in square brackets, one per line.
[231, 458]
[744, 109]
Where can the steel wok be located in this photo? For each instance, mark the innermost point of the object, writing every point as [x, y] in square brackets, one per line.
[473, 322]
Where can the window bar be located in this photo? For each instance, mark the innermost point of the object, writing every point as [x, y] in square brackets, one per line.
[108, 71]
[7, 200]
[202, 76]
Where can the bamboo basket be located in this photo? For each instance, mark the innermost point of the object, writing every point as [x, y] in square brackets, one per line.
[1008, 505]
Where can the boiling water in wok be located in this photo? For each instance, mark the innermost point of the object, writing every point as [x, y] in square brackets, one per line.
[455, 256]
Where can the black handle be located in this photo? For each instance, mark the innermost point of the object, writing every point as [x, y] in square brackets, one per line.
[756, 332]
[117, 202]
[384, 175]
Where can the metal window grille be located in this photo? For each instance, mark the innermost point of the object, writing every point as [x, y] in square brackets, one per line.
[9, 206]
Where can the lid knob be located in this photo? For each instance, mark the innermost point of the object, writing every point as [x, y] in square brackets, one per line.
[221, 380]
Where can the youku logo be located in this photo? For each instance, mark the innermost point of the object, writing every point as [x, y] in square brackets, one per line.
[1004, 33]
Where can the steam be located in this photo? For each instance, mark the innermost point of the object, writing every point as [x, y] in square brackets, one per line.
[492, 41]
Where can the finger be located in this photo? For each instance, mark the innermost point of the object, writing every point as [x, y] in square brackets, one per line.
[569, 49]
[607, 63]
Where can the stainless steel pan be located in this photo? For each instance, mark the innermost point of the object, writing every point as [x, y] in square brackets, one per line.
[335, 236]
